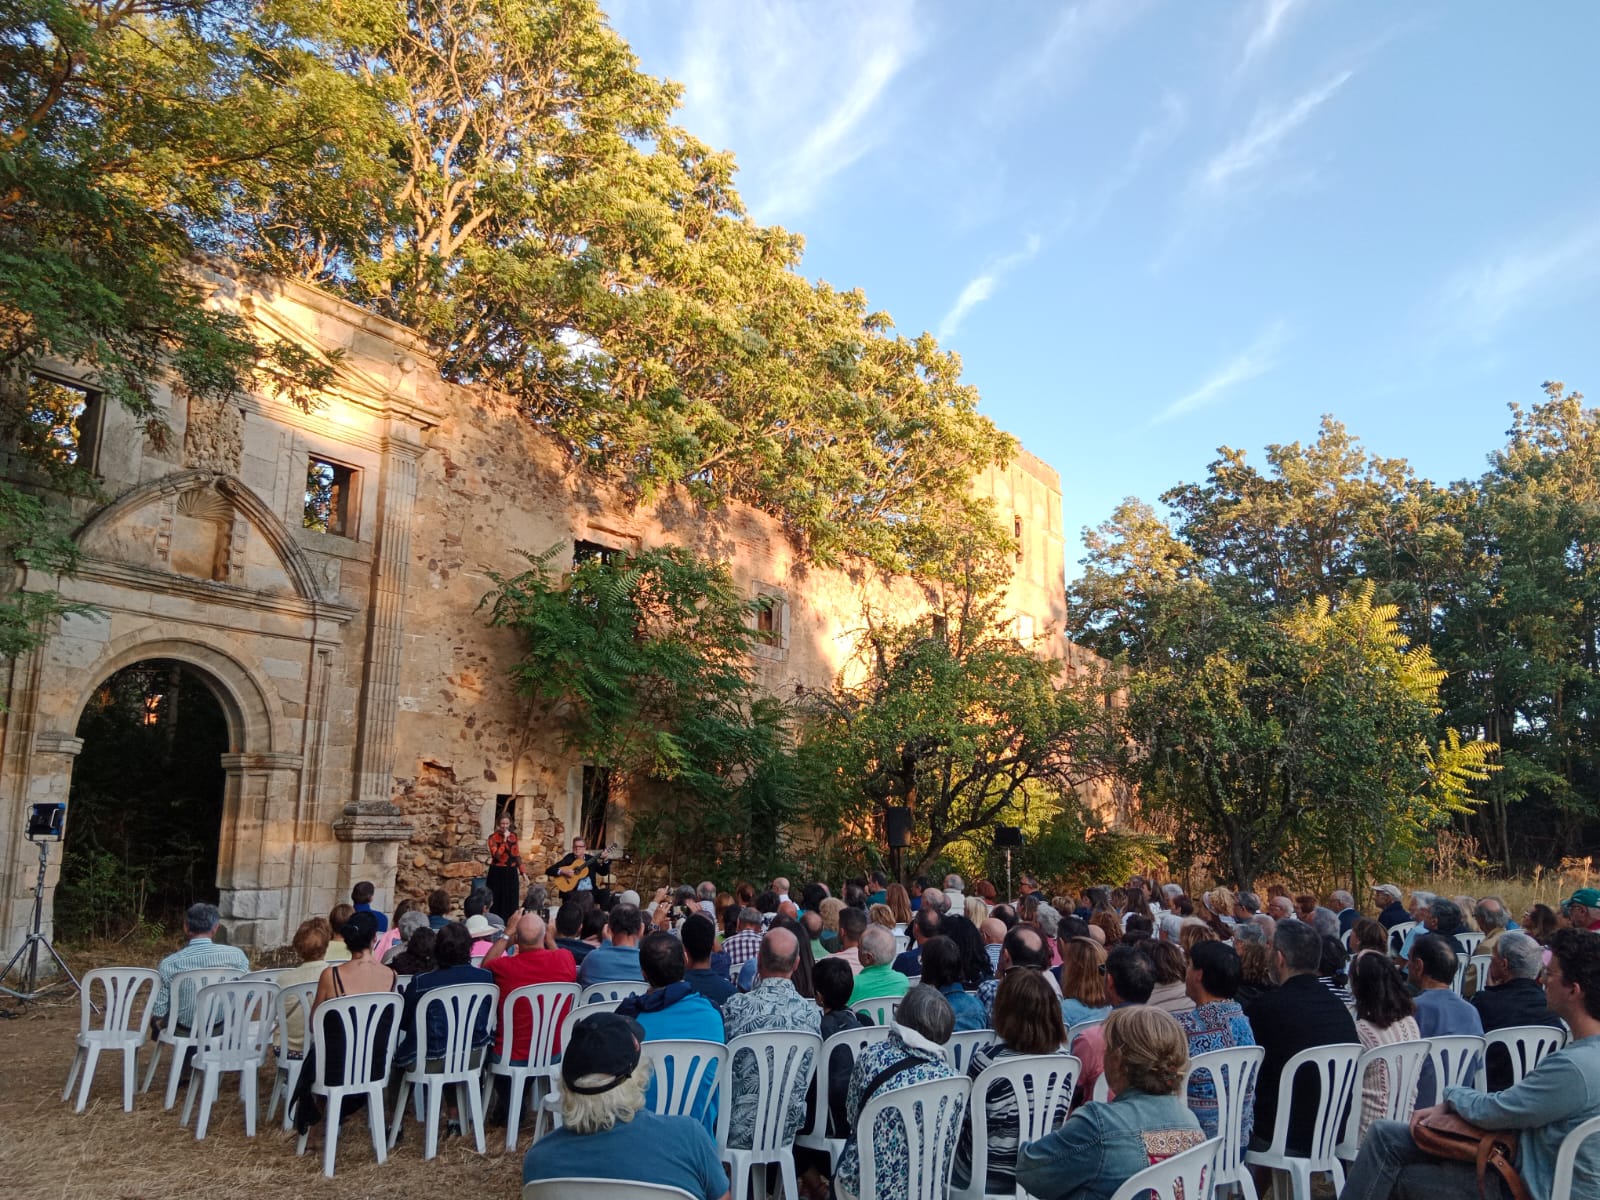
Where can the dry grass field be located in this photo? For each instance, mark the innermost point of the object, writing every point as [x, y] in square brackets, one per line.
[49, 1152]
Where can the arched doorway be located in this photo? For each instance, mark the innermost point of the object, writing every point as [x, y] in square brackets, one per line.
[145, 808]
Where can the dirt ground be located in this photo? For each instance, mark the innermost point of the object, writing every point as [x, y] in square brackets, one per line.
[49, 1151]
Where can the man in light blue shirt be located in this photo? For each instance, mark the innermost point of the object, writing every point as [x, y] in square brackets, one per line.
[617, 958]
[1558, 1095]
[201, 923]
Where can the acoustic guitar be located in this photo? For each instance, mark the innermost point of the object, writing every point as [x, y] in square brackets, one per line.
[565, 884]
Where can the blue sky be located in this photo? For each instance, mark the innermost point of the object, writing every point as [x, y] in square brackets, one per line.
[1151, 229]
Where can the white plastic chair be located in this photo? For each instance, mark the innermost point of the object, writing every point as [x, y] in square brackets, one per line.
[902, 942]
[184, 983]
[1455, 1060]
[681, 1070]
[1398, 935]
[286, 1075]
[1476, 977]
[785, 1064]
[235, 1020]
[1335, 1068]
[930, 1114]
[370, 1024]
[958, 1051]
[541, 1008]
[1567, 1160]
[118, 1029]
[1042, 1085]
[1233, 1074]
[459, 1063]
[1526, 1044]
[402, 982]
[1177, 1178]
[879, 1009]
[1470, 940]
[265, 974]
[616, 991]
[549, 1105]
[1078, 1027]
[1402, 1067]
[588, 1185]
[814, 1134]
[1101, 1091]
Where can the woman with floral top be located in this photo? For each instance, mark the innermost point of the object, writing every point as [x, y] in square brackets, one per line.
[505, 869]
[1216, 1022]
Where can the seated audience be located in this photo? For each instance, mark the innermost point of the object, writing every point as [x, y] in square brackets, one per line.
[941, 970]
[915, 1051]
[771, 1006]
[310, 942]
[1023, 949]
[924, 926]
[742, 946]
[361, 901]
[1385, 1014]
[1344, 904]
[830, 909]
[200, 922]
[438, 909]
[416, 956]
[1257, 970]
[608, 1132]
[617, 960]
[670, 1010]
[1027, 1020]
[531, 964]
[1101, 1145]
[1367, 934]
[452, 952]
[1559, 1094]
[1492, 920]
[699, 942]
[1540, 923]
[882, 914]
[1390, 911]
[1331, 972]
[337, 950]
[1171, 992]
[1083, 982]
[405, 925]
[993, 933]
[359, 974]
[852, 927]
[1296, 1015]
[969, 942]
[1130, 978]
[481, 932]
[1216, 1022]
[1440, 1011]
[899, 902]
[1512, 997]
[877, 978]
[569, 931]
[390, 938]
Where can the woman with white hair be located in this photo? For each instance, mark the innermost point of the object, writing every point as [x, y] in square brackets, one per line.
[912, 1053]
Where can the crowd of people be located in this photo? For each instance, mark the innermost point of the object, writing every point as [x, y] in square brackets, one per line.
[1133, 980]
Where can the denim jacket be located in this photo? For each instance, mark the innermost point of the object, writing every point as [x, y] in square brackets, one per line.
[1103, 1144]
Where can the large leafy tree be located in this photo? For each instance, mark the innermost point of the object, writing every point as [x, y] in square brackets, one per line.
[955, 720]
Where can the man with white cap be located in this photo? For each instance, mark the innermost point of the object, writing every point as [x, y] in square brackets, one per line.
[607, 1133]
[1390, 911]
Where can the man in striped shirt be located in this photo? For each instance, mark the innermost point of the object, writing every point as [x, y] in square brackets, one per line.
[201, 921]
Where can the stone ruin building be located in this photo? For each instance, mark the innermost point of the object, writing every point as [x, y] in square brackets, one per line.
[371, 726]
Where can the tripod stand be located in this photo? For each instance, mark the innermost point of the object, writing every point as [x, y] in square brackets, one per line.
[28, 952]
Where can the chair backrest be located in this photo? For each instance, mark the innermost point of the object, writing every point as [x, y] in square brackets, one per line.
[578, 1012]
[1401, 1064]
[233, 1021]
[688, 1076]
[402, 982]
[1335, 1069]
[1567, 1160]
[539, 1006]
[958, 1051]
[930, 1114]
[1232, 1073]
[611, 1189]
[902, 942]
[785, 1064]
[880, 1009]
[1184, 1176]
[186, 985]
[301, 995]
[1526, 1045]
[269, 974]
[370, 1025]
[855, 1040]
[618, 990]
[1455, 1060]
[1470, 940]
[1398, 935]
[461, 1005]
[1078, 1027]
[120, 1010]
[1042, 1085]
[1476, 977]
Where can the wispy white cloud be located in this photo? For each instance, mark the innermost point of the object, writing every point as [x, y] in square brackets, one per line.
[1234, 165]
[1266, 29]
[1554, 266]
[981, 286]
[1058, 58]
[799, 92]
[1254, 361]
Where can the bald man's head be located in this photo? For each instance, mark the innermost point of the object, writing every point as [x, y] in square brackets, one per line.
[993, 930]
[530, 932]
[779, 954]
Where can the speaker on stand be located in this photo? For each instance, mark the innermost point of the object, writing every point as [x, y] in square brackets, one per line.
[1008, 838]
[897, 832]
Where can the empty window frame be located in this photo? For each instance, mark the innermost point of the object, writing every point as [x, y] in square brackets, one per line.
[330, 497]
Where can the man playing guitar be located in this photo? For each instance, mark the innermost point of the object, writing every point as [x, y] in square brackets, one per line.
[578, 870]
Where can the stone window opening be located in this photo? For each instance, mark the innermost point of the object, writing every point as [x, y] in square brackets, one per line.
[584, 550]
[63, 419]
[595, 803]
[769, 620]
[330, 497]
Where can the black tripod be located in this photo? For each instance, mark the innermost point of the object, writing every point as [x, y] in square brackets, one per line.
[28, 953]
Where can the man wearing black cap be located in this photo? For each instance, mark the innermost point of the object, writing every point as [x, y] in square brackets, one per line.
[607, 1133]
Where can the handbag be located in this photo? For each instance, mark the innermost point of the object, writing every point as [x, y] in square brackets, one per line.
[1444, 1134]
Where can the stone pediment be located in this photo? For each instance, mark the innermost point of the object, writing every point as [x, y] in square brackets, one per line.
[202, 529]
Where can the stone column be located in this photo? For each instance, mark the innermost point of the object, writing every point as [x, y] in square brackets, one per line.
[257, 847]
[49, 782]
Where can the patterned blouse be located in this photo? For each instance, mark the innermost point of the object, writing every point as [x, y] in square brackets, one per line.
[1375, 1084]
[1220, 1025]
[503, 850]
[888, 1136]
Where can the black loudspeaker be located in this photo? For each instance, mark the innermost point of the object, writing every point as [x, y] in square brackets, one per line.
[45, 822]
[897, 824]
[1007, 837]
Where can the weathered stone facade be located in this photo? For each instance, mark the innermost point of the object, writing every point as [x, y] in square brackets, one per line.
[371, 720]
